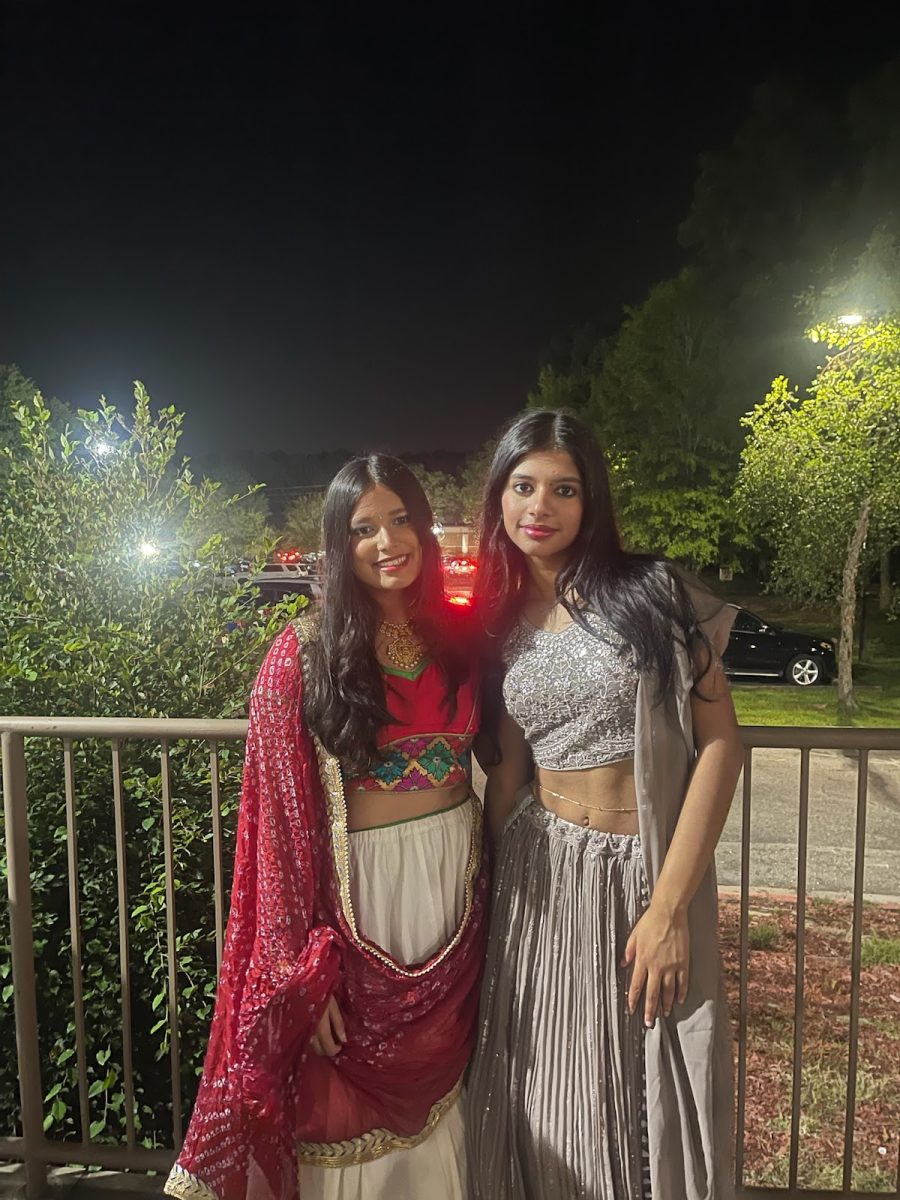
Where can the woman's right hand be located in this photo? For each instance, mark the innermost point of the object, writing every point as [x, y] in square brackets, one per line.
[330, 1034]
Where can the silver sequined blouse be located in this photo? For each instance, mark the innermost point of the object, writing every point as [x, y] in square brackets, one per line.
[573, 693]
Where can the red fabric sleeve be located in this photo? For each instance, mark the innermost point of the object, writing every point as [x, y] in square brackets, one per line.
[279, 967]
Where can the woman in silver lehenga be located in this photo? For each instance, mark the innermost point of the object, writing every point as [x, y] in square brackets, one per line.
[603, 1067]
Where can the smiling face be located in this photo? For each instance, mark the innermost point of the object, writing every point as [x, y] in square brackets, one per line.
[386, 551]
[543, 503]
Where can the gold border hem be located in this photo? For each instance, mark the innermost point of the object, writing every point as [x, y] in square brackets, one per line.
[373, 1144]
[185, 1186]
[333, 785]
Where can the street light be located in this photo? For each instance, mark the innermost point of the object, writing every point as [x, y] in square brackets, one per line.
[149, 550]
[850, 320]
[103, 448]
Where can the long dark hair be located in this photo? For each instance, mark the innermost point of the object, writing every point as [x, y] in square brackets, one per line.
[344, 692]
[644, 598]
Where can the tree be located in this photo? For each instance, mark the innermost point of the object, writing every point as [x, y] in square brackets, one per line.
[665, 373]
[303, 521]
[113, 602]
[696, 525]
[443, 493]
[239, 519]
[658, 396]
[17, 389]
[873, 286]
[563, 389]
[239, 510]
[789, 205]
[474, 476]
[659, 406]
[820, 475]
[660, 399]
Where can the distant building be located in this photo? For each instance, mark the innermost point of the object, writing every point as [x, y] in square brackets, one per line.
[459, 539]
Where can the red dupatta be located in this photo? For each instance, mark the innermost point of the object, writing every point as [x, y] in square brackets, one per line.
[292, 942]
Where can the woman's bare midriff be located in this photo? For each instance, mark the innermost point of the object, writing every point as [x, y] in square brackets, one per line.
[366, 810]
[594, 798]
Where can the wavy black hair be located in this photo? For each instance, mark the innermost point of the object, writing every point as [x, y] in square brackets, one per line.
[344, 690]
[643, 597]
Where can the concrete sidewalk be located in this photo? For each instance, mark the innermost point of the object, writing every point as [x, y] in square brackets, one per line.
[832, 824]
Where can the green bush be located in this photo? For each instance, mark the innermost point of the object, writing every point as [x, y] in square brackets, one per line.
[114, 602]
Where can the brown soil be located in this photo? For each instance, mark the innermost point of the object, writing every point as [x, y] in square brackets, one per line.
[826, 1028]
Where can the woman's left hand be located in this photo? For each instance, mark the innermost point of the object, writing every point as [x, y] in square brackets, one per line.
[659, 949]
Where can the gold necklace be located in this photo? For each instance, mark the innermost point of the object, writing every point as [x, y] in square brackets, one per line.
[593, 807]
[402, 644]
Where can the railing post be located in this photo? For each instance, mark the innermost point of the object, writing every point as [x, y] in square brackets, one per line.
[15, 809]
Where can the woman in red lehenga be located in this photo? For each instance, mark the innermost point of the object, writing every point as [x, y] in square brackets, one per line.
[348, 995]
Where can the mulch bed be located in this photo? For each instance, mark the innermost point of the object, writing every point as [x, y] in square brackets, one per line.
[826, 1027]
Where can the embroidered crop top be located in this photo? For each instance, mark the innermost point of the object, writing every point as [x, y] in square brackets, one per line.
[424, 747]
[573, 693]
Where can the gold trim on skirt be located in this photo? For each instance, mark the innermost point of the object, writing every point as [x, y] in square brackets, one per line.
[373, 1144]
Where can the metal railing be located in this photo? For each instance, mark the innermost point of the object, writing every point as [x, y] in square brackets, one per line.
[37, 1151]
[862, 742]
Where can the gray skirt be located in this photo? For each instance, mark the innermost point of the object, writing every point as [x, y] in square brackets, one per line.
[556, 1102]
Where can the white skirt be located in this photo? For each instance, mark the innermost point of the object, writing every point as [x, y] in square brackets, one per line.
[407, 884]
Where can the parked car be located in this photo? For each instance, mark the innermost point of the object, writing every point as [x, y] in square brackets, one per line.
[759, 648]
[273, 590]
[276, 579]
[458, 564]
[271, 572]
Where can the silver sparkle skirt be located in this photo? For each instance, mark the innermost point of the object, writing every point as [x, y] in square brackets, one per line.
[556, 1100]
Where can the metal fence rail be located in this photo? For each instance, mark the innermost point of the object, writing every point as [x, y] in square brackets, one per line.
[861, 742]
[33, 1148]
[36, 1151]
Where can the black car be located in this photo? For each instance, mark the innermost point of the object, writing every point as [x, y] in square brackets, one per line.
[759, 648]
[273, 590]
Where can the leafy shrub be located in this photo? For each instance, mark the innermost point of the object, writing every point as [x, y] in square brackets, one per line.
[114, 602]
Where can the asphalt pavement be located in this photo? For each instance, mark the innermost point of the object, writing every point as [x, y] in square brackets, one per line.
[774, 824]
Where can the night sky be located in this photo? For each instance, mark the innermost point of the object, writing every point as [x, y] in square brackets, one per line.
[318, 225]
